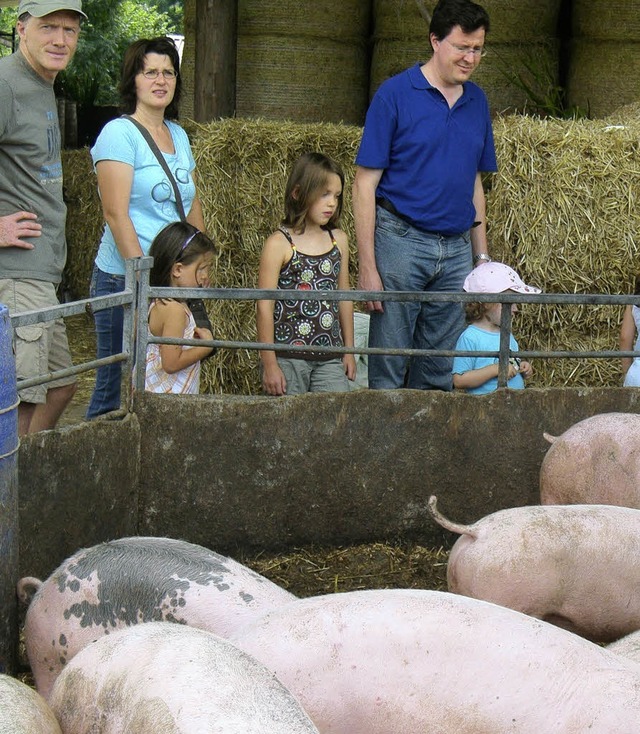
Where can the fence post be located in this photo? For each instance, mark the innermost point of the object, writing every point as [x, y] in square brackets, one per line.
[8, 497]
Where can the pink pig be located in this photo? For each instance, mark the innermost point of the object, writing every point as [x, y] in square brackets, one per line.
[398, 661]
[596, 461]
[172, 679]
[575, 566]
[23, 711]
[134, 580]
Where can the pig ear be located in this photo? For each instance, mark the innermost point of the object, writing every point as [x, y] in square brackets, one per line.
[548, 437]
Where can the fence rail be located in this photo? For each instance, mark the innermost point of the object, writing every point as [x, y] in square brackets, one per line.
[136, 336]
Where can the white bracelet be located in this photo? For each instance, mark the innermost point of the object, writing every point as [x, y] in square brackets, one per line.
[481, 256]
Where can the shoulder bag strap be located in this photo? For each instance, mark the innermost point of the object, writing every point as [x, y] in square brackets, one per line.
[161, 160]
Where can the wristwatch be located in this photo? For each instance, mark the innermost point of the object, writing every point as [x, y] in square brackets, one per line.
[481, 256]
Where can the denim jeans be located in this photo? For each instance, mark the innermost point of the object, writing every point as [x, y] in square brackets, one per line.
[409, 259]
[106, 393]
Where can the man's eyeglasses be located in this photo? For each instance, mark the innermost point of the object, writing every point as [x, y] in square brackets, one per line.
[154, 74]
[465, 50]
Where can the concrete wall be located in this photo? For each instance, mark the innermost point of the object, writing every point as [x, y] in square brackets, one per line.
[249, 473]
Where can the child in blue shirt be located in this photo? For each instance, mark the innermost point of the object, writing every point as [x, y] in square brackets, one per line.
[479, 375]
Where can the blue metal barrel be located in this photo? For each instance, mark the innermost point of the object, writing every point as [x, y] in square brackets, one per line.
[8, 496]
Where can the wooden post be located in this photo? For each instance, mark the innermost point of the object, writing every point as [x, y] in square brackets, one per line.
[215, 68]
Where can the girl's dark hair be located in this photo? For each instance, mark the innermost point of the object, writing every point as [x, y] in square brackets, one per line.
[178, 242]
[636, 285]
[308, 177]
[133, 64]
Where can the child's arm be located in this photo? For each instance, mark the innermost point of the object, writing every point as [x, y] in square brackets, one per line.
[345, 308]
[273, 257]
[169, 319]
[475, 378]
[627, 335]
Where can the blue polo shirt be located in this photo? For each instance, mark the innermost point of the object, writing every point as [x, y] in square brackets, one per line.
[430, 153]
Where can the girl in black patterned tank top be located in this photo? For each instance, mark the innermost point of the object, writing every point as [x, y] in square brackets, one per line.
[307, 252]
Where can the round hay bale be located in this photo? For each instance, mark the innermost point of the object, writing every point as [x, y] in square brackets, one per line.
[303, 62]
[595, 83]
[606, 20]
[289, 78]
[342, 20]
[512, 21]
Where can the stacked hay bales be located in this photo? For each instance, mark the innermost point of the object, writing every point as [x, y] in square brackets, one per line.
[522, 58]
[563, 211]
[306, 62]
[604, 69]
[84, 220]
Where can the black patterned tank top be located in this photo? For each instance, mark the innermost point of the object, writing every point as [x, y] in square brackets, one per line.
[309, 322]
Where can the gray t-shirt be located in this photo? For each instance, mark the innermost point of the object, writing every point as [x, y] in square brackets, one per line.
[31, 169]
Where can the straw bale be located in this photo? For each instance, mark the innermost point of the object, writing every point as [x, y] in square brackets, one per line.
[302, 79]
[512, 21]
[627, 113]
[595, 82]
[342, 20]
[607, 20]
[563, 211]
[84, 220]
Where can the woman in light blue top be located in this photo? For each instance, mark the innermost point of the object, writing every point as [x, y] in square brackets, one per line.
[137, 198]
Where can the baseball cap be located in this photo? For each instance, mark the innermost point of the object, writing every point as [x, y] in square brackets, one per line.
[492, 277]
[40, 8]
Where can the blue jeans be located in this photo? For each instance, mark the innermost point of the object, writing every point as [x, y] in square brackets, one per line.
[106, 393]
[409, 259]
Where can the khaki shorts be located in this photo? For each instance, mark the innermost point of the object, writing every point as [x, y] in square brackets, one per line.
[40, 348]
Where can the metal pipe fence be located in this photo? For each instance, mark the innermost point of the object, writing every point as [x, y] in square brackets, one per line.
[137, 293]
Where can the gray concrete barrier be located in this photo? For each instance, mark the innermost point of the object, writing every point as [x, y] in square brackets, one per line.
[246, 473]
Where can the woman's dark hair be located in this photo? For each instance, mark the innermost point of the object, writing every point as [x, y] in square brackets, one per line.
[133, 64]
[308, 177]
[178, 242]
[636, 285]
[449, 13]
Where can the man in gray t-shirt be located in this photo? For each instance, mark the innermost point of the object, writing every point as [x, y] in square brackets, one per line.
[32, 211]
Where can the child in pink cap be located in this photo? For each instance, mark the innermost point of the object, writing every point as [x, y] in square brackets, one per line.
[479, 375]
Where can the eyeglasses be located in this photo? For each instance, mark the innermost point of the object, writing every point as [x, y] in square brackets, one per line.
[154, 74]
[466, 50]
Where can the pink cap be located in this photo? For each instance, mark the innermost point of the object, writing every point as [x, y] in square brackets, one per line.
[492, 277]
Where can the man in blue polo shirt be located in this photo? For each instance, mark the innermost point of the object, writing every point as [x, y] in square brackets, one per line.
[418, 200]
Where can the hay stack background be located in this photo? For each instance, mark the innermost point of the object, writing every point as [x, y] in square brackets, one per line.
[307, 62]
[84, 220]
[604, 68]
[562, 210]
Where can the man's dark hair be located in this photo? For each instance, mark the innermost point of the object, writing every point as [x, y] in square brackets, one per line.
[134, 63]
[449, 13]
